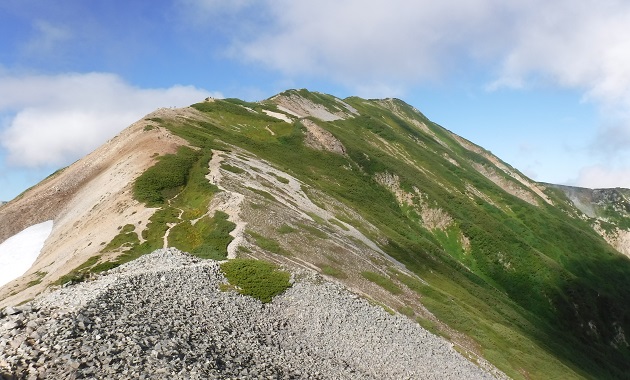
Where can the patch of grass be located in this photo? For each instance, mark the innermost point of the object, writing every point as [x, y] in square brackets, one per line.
[267, 244]
[286, 229]
[257, 206]
[233, 169]
[412, 283]
[339, 224]
[389, 310]
[407, 311]
[332, 271]
[256, 278]
[126, 238]
[262, 192]
[148, 127]
[105, 266]
[280, 179]
[207, 239]
[333, 259]
[313, 231]
[430, 326]
[197, 193]
[39, 276]
[79, 273]
[382, 281]
[316, 218]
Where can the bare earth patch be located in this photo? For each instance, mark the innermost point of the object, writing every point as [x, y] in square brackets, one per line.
[88, 202]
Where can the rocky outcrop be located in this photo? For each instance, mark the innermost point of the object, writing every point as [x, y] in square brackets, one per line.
[163, 317]
[293, 103]
[318, 138]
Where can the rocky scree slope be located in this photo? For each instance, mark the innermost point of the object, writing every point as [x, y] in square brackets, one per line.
[163, 317]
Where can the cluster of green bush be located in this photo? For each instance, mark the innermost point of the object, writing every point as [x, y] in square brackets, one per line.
[208, 238]
[166, 178]
[256, 278]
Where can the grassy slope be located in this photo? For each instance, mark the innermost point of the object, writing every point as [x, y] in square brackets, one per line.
[531, 317]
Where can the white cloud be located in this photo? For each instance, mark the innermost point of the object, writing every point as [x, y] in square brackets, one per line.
[370, 43]
[57, 119]
[581, 45]
[398, 43]
[603, 176]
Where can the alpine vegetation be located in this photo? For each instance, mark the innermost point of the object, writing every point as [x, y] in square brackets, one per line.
[326, 238]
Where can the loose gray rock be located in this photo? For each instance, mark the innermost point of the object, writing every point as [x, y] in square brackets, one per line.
[163, 316]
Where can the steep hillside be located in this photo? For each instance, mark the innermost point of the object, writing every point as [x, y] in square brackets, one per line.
[607, 210]
[369, 193]
[87, 201]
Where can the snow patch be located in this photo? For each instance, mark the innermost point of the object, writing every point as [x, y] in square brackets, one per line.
[19, 252]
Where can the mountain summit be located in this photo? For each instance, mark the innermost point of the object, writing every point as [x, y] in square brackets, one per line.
[531, 277]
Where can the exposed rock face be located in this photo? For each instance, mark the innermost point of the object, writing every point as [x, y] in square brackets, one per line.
[318, 138]
[618, 238]
[592, 201]
[301, 107]
[163, 317]
[604, 206]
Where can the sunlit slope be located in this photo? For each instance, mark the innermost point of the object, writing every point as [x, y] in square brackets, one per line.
[506, 261]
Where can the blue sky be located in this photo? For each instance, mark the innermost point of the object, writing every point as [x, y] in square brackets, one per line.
[545, 85]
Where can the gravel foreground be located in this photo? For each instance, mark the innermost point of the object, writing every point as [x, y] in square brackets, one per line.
[162, 316]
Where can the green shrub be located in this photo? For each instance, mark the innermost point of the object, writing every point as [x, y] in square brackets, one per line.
[161, 181]
[255, 278]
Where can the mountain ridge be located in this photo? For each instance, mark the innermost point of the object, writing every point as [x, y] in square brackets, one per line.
[369, 193]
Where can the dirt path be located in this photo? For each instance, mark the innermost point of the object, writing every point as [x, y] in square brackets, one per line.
[227, 201]
[171, 225]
